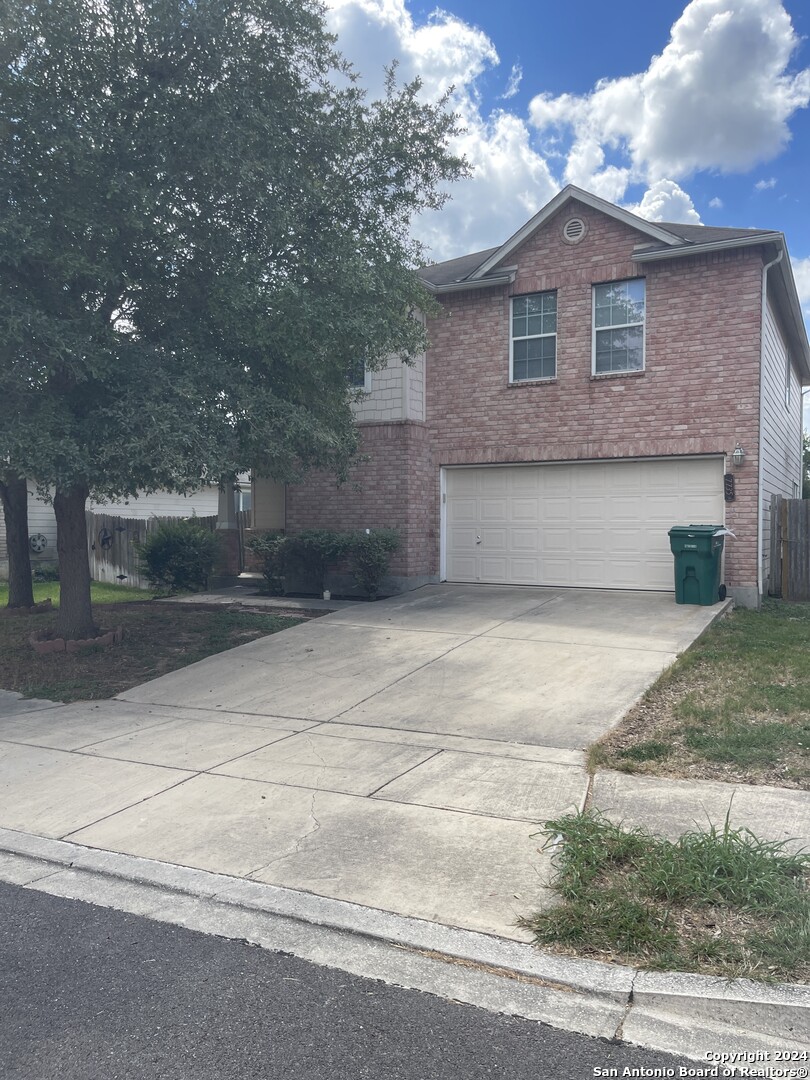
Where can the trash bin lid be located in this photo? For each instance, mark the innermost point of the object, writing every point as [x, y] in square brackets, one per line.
[705, 530]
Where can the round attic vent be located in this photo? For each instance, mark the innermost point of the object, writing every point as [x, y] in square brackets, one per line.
[574, 230]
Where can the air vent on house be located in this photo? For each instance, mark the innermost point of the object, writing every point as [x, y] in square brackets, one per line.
[574, 230]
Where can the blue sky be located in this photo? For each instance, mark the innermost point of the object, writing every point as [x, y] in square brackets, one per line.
[679, 111]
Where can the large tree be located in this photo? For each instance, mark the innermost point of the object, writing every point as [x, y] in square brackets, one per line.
[203, 225]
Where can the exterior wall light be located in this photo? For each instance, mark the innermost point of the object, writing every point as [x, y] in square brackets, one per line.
[738, 457]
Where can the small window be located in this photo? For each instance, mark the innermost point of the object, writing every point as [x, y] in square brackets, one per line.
[358, 377]
[618, 326]
[534, 337]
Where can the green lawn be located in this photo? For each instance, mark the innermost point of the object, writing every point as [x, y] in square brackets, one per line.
[734, 707]
[101, 592]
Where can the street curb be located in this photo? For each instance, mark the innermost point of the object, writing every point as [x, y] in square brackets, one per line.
[691, 1015]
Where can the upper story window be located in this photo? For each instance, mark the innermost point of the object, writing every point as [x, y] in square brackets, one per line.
[533, 353]
[618, 326]
[358, 377]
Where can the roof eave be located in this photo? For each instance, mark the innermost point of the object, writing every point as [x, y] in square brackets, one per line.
[683, 250]
[482, 283]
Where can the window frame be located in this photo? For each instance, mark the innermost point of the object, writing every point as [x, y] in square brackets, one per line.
[617, 326]
[530, 337]
[365, 386]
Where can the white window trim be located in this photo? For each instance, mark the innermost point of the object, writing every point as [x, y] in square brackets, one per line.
[617, 326]
[541, 378]
[366, 387]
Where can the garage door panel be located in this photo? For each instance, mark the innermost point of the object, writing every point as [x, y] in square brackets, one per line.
[525, 510]
[463, 510]
[460, 568]
[627, 542]
[589, 542]
[524, 571]
[461, 541]
[555, 541]
[588, 573]
[494, 570]
[556, 509]
[591, 524]
[494, 510]
[524, 540]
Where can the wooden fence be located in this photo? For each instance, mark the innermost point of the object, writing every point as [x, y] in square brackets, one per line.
[790, 548]
[111, 542]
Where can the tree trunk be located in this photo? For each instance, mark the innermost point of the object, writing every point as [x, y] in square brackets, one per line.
[14, 496]
[75, 618]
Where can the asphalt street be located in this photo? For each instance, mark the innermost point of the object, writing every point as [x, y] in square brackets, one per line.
[89, 993]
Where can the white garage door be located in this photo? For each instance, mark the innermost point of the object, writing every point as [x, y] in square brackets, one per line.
[593, 524]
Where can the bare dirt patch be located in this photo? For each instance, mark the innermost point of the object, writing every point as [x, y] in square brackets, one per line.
[157, 638]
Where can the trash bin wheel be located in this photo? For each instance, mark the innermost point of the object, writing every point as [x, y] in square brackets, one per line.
[721, 592]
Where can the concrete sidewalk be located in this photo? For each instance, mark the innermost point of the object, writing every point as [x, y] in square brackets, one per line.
[398, 756]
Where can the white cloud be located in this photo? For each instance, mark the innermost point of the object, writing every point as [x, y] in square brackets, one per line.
[718, 97]
[515, 79]
[716, 203]
[511, 179]
[444, 52]
[801, 272]
[666, 201]
[764, 185]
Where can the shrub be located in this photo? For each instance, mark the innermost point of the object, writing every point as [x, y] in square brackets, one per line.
[370, 554]
[315, 550]
[45, 572]
[178, 555]
[274, 552]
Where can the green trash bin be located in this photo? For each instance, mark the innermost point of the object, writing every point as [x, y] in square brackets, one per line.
[697, 550]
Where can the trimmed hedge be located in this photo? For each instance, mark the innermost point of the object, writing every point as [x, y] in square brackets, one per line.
[312, 553]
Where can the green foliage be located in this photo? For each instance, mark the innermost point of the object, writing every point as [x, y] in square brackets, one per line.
[805, 466]
[313, 552]
[273, 550]
[179, 306]
[639, 897]
[370, 553]
[169, 310]
[45, 572]
[178, 556]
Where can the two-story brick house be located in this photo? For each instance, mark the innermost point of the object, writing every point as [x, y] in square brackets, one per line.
[585, 387]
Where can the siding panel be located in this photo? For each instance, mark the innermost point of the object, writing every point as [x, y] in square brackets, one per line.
[782, 428]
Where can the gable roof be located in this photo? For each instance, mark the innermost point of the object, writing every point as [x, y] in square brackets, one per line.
[482, 267]
[660, 240]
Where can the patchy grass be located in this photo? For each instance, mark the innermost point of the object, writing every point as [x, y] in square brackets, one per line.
[735, 707]
[101, 592]
[158, 637]
[720, 902]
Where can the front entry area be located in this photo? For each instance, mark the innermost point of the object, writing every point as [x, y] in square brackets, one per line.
[596, 524]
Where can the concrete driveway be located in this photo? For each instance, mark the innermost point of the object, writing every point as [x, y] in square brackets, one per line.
[537, 666]
[397, 754]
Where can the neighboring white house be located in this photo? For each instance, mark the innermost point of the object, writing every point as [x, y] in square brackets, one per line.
[42, 523]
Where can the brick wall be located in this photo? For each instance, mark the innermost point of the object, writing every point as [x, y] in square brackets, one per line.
[385, 491]
[698, 394]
